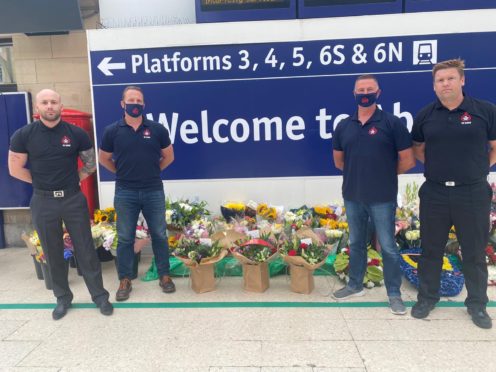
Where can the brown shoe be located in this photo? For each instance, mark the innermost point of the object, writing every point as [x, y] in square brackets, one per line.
[167, 284]
[124, 290]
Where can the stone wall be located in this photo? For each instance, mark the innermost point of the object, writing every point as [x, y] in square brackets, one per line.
[58, 62]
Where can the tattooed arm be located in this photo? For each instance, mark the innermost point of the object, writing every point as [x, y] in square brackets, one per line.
[17, 163]
[89, 163]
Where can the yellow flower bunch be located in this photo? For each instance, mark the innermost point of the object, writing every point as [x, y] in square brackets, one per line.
[173, 242]
[329, 223]
[343, 225]
[104, 215]
[235, 206]
[323, 210]
[267, 212]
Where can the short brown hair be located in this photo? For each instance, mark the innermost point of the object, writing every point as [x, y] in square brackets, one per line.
[458, 64]
[131, 87]
[367, 77]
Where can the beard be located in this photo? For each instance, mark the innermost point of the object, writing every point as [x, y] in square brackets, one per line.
[53, 116]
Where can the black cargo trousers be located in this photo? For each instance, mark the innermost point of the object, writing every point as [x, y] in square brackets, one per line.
[467, 207]
[49, 210]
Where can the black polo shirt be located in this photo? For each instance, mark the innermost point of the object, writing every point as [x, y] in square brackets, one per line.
[136, 154]
[456, 142]
[52, 153]
[371, 156]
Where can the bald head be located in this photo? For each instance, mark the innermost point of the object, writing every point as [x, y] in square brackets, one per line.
[47, 93]
[49, 106]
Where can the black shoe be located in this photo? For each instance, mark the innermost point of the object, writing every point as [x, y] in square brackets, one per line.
[60, 310]
[480, 317]
[422, 309]
[106, 308]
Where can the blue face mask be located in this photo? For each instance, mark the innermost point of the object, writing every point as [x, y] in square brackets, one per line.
[366, 100]
[134, 109]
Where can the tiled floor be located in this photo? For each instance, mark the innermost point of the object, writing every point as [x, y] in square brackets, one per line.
[231, 338]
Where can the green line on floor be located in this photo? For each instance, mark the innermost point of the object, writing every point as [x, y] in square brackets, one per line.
[214, 305]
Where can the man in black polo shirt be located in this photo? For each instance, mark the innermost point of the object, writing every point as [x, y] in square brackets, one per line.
[52, 148]
[137, 150]
[455, 138]
[372, 147]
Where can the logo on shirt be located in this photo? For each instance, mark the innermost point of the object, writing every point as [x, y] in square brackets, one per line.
[373, 131]
[147, 133]
[66, 141]
[466, 118]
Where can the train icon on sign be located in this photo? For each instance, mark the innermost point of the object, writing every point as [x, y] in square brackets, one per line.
[425, 52]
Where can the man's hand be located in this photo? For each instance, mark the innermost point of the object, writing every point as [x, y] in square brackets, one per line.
[406, 160]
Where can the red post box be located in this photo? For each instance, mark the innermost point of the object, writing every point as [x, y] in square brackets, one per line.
[89, 184]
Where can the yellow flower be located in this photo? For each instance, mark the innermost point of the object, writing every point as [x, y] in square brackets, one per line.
[343, 225]
[323, 210]
[97, 215]
[329, 223]
[262, 209]
[271, 213]
[173, 242]
[235, 206]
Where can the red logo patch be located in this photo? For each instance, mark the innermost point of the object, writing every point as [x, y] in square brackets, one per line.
[146, 133]
[135, 111]
[66, 141]
[365, 100]
[373, 131]
[466, 118]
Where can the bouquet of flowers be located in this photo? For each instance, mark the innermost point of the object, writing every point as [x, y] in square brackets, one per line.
[197, 251]
[232, 210]
[452, 279]
[182, 212]
[104, 215]
[268, 213]
[374, 275]
[298, 250]
[491, 262]
[33, 243]
[298, 218]
[254, 251]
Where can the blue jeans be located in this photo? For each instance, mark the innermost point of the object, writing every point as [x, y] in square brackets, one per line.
[128, 204]
[382, 216]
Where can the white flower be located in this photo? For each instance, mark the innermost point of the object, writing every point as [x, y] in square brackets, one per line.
[186, 207]
[370, 284]
[290, 216]
[276, 228]
[168, 216]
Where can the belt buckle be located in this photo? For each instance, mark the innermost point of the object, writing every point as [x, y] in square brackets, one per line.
[450, 183]
[58, 194]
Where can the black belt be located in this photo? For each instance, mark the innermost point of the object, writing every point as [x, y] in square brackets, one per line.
[457, 183]
[56, 193]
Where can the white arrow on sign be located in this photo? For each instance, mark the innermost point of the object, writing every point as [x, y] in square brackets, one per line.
[105, 66]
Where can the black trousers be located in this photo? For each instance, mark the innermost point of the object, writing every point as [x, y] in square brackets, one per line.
[48, 214]
[467, 207]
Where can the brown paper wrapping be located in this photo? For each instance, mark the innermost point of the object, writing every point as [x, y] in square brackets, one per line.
[32, 249]
[307, 233]
[227, 238]
[203, 278]
[301, 273]
[256, 277]
[202, 274]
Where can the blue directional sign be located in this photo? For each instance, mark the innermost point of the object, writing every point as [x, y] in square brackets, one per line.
[14, 113]
[269, 109]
